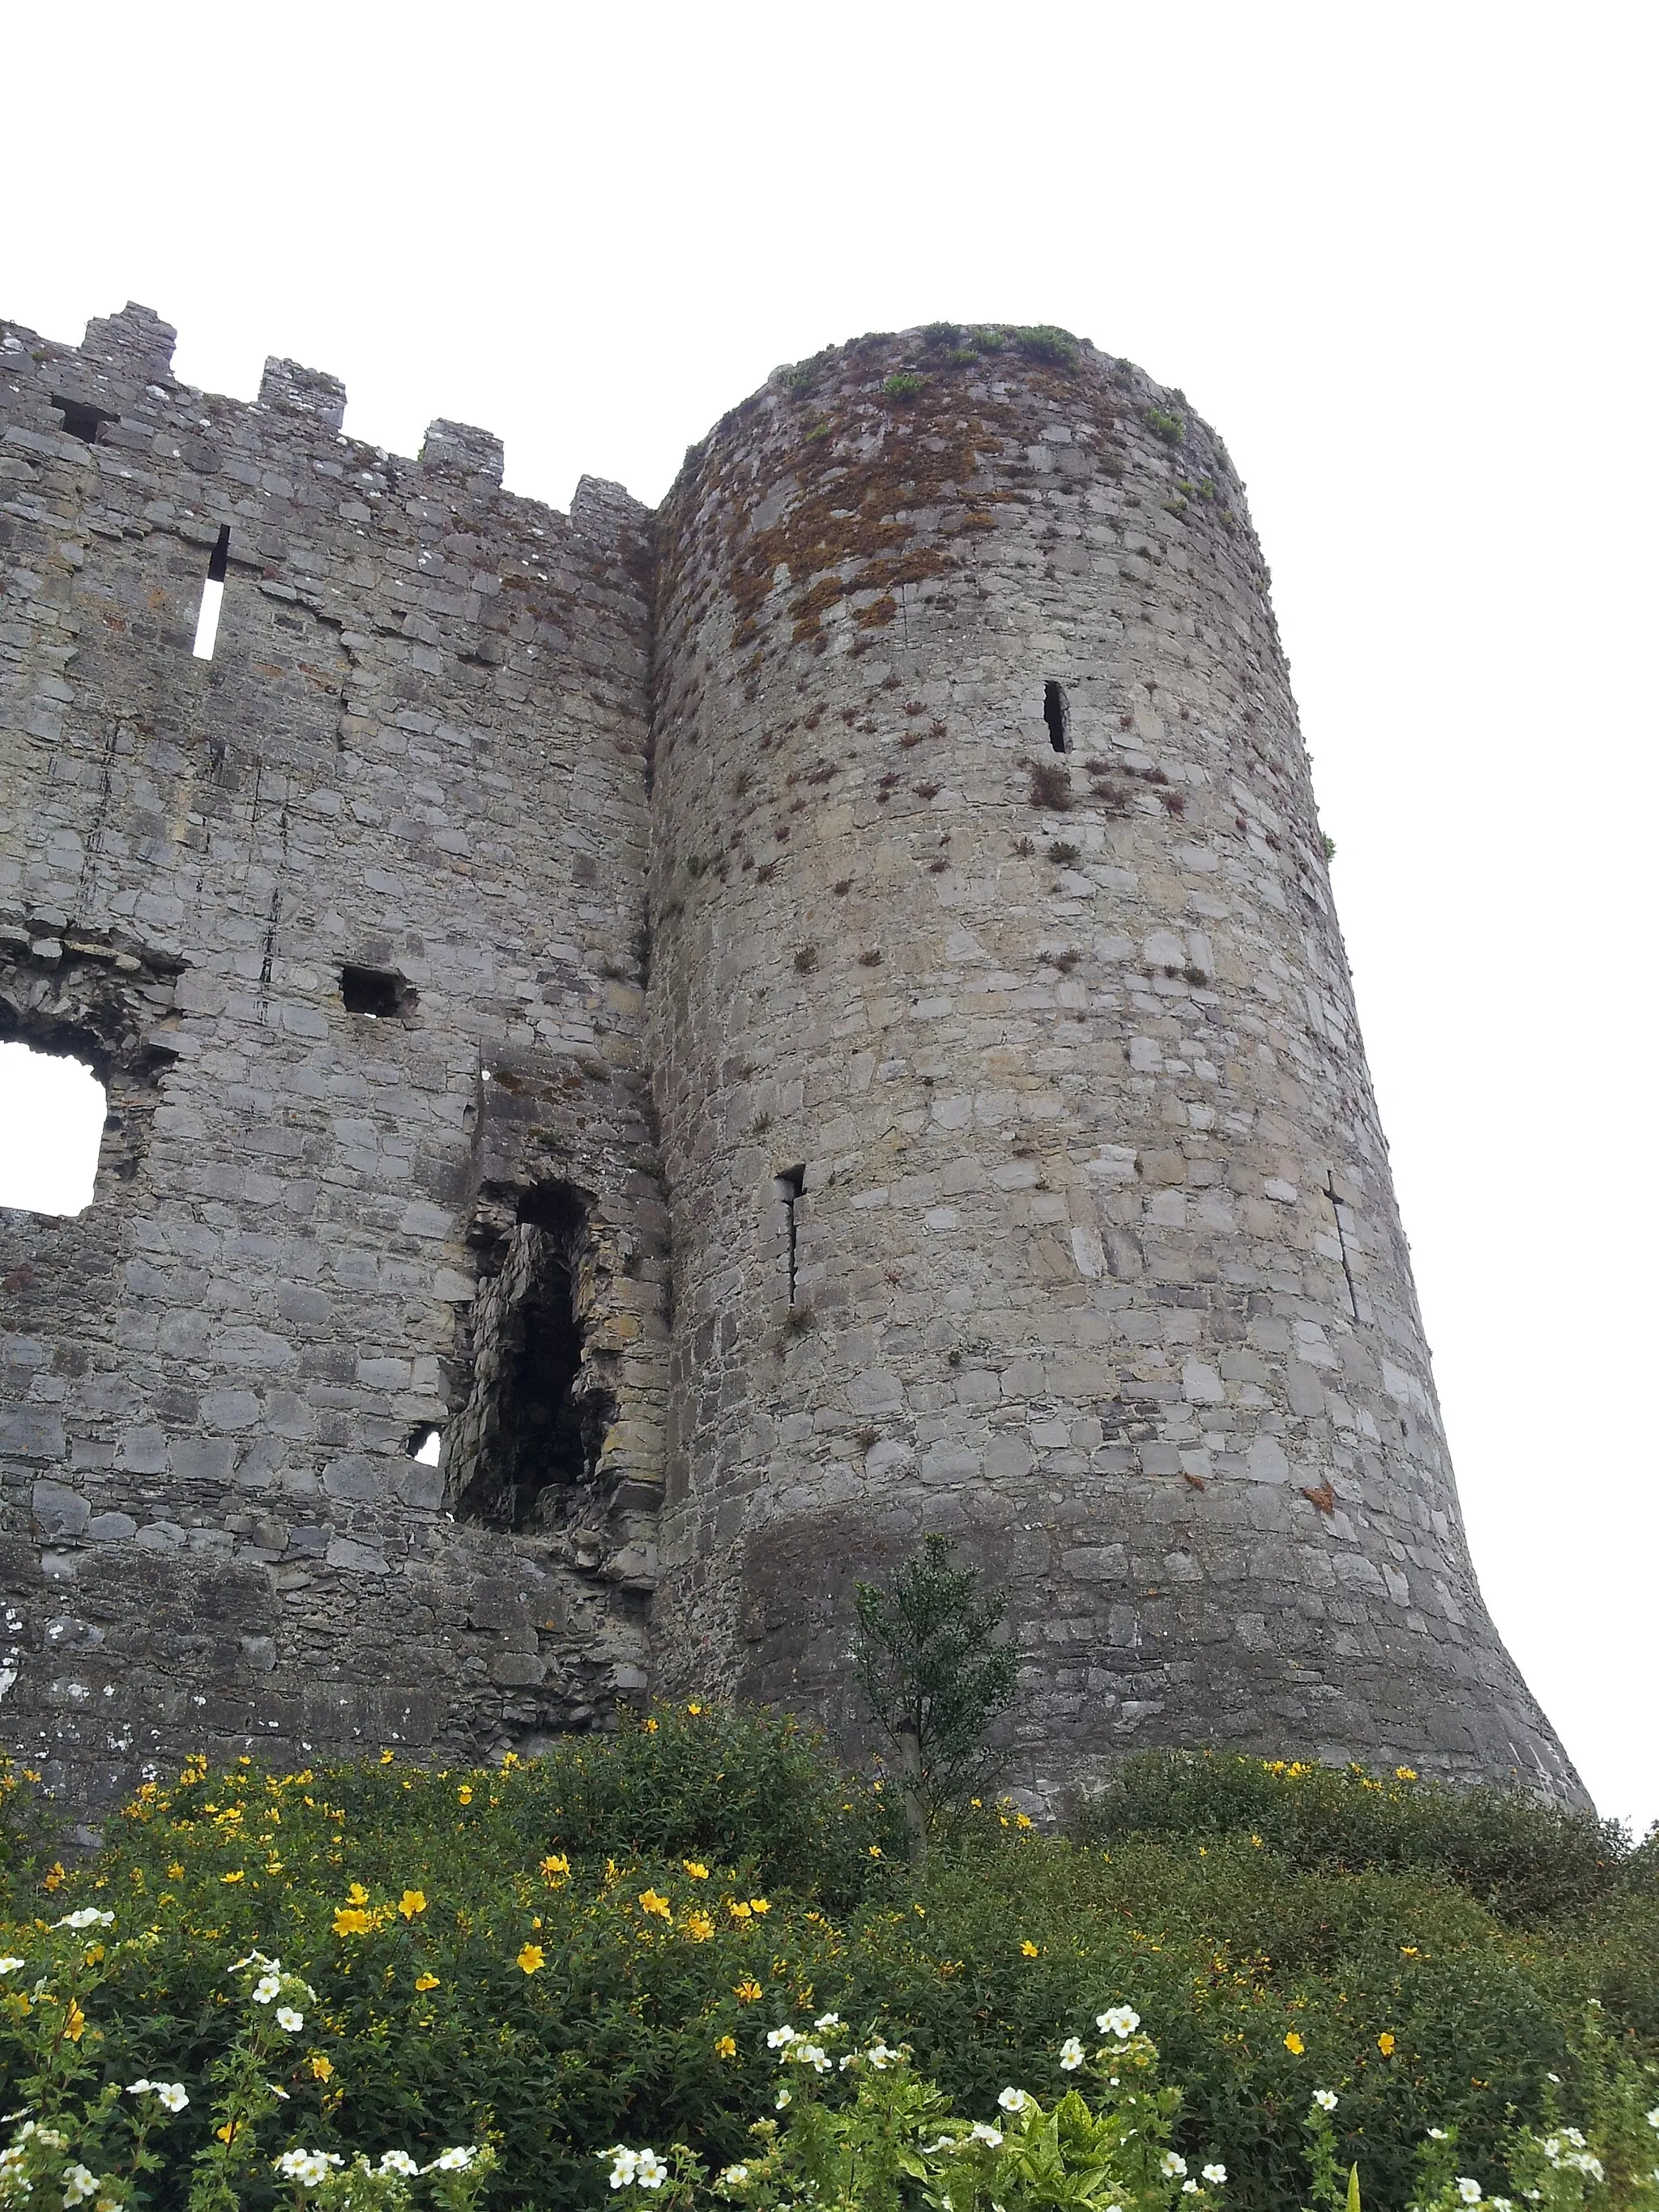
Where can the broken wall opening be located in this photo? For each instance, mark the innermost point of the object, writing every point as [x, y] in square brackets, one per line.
[52, 1110]
[526, 1454]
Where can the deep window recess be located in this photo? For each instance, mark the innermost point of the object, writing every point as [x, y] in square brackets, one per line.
[426, 1444]
[379, 992]
[537, 1420]
[51, 1122]
[83, 422]
[213, 593]
[1057, 716]
[789, 1184]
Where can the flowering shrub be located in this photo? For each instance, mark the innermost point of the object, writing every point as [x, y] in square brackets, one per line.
[542, 1960]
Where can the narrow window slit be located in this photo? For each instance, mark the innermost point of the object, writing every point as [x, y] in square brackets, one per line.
[1056, 714]
[213, 593]
[790, 1183]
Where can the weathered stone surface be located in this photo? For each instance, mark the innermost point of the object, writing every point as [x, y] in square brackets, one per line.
[515, 900]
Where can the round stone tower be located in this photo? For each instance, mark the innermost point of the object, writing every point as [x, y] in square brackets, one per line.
[1025, 1177]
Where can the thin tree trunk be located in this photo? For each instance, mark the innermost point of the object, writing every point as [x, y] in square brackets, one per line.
[915, 1812]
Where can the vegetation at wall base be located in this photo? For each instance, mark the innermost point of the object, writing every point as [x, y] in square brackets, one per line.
[543, 1961]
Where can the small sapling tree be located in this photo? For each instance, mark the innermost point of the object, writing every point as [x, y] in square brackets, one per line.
[936, 1676]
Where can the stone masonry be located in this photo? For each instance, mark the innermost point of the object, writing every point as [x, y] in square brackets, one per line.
[771, 1028]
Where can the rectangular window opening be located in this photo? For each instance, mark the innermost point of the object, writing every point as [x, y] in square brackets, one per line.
[53, 1110]
[83, 422]
[380, 992]
[1057, 716]
[213, 593]
[790, 1183]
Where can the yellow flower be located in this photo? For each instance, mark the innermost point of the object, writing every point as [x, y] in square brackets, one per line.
[426, 1981]
[555, 1868]
[1256, 1842]
[650, 1902]
[411, 1902]
[1294, 2044]
[175, 1872]
[57, 1878]
[1405, 1774]
[1028, 1950]
[349, 1921]
[74, 2025]
[356, 1894]
[695, 1868]
[322, 2069]
[747, 1993]
[1022, 1820]
[465, 1793]
[875, 1850]
[698, 1926]
[237, 1876]
[724, 2047]
[651, 1728]
[1385, 2044]
[532, 1959]
[1409, 1951]
[737, 1908]
[694, 1709]
[227, 2133]
[385, 1758]
[759, 1904]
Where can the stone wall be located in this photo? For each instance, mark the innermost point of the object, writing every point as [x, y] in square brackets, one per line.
[417, 754]
[989, 891]
[911, 818]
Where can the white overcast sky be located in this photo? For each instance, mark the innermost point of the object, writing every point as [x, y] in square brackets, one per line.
[1401, 256]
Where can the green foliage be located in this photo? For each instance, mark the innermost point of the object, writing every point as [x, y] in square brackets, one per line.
[1521, 1859]
[544, 1960]
[1170, 425]
[903, 384]
[1046, 342]
[1329, 844]
[935, 1676]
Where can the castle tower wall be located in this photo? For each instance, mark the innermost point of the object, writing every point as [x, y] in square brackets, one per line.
[409, 780]
[1026, 1179]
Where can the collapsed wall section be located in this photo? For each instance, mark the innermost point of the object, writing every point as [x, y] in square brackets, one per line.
[349, 919]
[1026, 1177]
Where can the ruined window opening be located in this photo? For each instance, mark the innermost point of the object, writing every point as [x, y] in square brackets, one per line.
[213, 593]
[83, 422]
[380, 992]
[790, 1184]
[527, 1458]
[426, 1444]
[53, 1110]
[1057, 716]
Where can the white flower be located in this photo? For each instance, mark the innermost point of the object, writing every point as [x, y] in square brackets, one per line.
[778, 2039]
[1189, 2188]
[1468, 2190]
[623, 2163]
[1574, 2137]
[1121, 2021]
[398, 2161]
[77, 2183]
[827, 2020]
[1071, 2055]
[138, 2089]
[983, 2133]
[1012, 2101]
[1653, 2117]
[458, 2159]
[1172, 2163]
[1326, 2099]
[880, 2057]
[780, 2099]
[808, 2054]
[170, 2094]
[9, 1965]
[1215, 2172]
[267, 1986]
[288, 2018]
[1436, 2135]
[307, 2167]
[87, 1917]
[734, 2176]
[651, 2172]
[275, 2092]
[257, 1959]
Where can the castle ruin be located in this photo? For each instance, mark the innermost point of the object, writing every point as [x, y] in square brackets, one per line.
[768, 1028]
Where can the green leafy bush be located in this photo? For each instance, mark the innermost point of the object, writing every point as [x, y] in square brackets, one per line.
[1520, 1858]
[544, 1960]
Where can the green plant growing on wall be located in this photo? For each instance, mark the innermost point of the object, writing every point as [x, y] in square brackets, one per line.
[903, 384]
[1170, 426]
[930, 1662]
